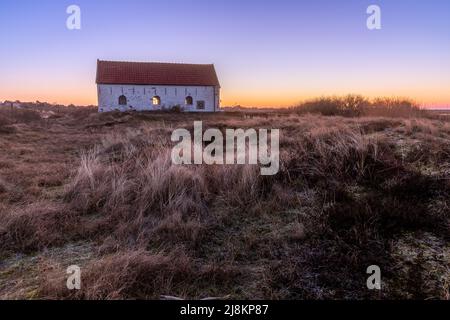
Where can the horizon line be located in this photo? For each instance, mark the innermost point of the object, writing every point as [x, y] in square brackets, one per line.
[421, 106]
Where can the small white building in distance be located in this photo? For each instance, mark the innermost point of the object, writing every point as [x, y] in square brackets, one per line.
[146, 86]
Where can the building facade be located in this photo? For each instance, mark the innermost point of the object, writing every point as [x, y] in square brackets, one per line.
[141, 86]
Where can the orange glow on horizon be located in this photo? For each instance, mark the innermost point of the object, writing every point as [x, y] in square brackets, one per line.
[87, 95]
[245, 99]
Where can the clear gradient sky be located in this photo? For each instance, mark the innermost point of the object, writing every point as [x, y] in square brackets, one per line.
[266, 52]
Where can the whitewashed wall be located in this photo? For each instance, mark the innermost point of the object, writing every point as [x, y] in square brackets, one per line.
[139, 97]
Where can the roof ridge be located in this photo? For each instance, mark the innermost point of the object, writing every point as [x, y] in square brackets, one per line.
[158, 62]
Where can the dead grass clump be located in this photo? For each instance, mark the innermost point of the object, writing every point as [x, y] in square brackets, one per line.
[163, 185]
[10, 193]
[427, 126]
[4, 186]
[5, 129]
[36, 226]
[333, 155]
[374, 125]
[82, 192]
[13, 116]
[4, 120]
[237, 186]
[143, 275]
[80, 113]
[139, 198]
[428, 153]
[5, 124]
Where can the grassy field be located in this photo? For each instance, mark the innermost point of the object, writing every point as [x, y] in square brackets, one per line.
[100, 191]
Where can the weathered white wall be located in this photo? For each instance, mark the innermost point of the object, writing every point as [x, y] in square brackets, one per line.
[139, 97]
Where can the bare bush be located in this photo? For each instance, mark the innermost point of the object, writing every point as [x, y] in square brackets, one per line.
[355, 105]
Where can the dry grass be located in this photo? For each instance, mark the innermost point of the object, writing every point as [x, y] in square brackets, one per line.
[351, 192]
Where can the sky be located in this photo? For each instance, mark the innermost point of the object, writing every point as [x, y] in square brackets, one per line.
[266, 52]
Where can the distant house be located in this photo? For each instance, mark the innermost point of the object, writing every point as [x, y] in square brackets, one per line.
[146, 86]
[11, 104]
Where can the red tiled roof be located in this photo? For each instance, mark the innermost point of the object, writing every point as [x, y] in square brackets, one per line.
[115, 72]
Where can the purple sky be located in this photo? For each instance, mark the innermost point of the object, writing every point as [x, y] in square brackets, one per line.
[267, 53]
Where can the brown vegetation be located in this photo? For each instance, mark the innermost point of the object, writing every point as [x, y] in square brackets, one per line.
[100, 191]
[356, 106]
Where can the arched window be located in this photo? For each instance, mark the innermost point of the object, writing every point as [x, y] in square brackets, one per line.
[189, 101]
[156, 100]
[122, 101]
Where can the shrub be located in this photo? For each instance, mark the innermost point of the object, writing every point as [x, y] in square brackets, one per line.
[355, 105]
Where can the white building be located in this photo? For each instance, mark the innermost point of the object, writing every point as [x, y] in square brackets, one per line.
[157, 86]
[11, 104]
